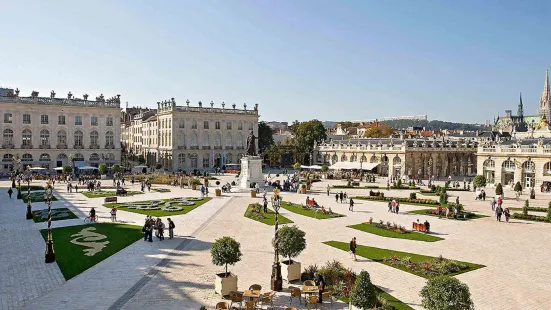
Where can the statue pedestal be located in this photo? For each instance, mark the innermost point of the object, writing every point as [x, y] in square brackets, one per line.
[251, 171]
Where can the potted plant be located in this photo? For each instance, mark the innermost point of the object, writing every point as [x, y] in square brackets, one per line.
[518, 188]
[308, 185]
[363, 295]
[225, 251]
[303, 188]
[253, 190]
[446, 293]
[103, 170]
[291, 243]
[479, 181]
[194, 183]
[499, 190]
[218, 191]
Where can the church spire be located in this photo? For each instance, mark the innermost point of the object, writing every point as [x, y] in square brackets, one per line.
[545, 99]
[520, 112]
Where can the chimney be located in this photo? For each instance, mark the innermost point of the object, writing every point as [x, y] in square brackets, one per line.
[508, 113]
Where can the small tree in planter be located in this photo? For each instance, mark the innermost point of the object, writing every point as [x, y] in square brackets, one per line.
[532, 194]
[446, 293]
[479, 181]
[291, 243]
[116, 168]
[218, 191]
[324, 168]
[158, 166]
[518, 188]
[102, 168]
[363, 295]
[525, 208]
[225, 251]
[499, 190]
[67, 170]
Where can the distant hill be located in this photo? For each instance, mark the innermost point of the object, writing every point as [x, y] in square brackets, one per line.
[433, 125]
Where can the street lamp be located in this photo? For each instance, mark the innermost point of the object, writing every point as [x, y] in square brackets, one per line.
[50, 255]
[29, 208]
[276, 281]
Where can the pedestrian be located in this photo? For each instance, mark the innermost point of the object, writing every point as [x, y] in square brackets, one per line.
[351, 207]
[10, 192]
[499, 202]
[171, 227]
[457, 200]
[147, 230]
[161, 229]
[389, 206]
[341, 196]
[393, 206]
[483, 195]
[320, 283]
[493, 204]
[397, 207]
[353, 247]
[337, 197]
[202, 191]
[265, 205]
[207, 191]
[499, 211]
[507, 213]
[448, 209]
[114, 214]
[328, 187]
[76, 188]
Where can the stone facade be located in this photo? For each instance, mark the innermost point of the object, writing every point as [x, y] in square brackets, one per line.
[421, 158]
[527, 161]
[191, 137]
[48, 132]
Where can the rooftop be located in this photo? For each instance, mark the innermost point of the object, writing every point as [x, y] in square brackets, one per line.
[13, 97]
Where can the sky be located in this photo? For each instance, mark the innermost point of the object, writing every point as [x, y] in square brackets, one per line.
[463, 61]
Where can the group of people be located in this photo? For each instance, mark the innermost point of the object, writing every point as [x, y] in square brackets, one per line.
[497, 207]
[158, 226]
[394, 206]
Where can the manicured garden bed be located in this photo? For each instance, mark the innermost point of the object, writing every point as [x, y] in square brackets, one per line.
[394, 232]
[402, 200]
[530, 217]
[36, 197]
[255, 212]
[25, 188]
[162, 207]
[58, 214]
[102, 194]
[433, 212]
[72, 244]
[318, 213]
[420, 265]
[375, 187]
[533, 209]
[161, 190]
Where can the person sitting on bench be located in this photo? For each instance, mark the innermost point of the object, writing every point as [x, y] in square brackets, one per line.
[427, 226]
[121, 191]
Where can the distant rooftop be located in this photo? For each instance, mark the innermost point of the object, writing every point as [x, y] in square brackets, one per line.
[13, 97]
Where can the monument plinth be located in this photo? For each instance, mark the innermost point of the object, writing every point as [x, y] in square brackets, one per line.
[251, 171]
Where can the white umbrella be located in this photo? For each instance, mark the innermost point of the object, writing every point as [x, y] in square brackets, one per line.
[37, 168]
[87, 168]
[58, 168]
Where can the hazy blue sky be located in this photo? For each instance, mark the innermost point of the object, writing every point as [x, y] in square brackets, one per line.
[454, 60]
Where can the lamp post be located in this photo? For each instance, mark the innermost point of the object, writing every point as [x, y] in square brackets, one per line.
[276, 281]
[29, 215]
[50, 255]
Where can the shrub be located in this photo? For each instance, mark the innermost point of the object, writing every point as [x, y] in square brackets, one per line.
[141, 159]
[225, 251]
[102, 168]
[291, 241]
[525, 208]
[446, 293]
[338, 278]
[412, 196]
[479, 181]
[363, 294]
[518, 187]
[499, 189]
[433, 188]
[549, 212]
[399, 183]
[324, 168]
[308, 273]
[67, 169]
[296, 166]
[116, 168]
[158, 166]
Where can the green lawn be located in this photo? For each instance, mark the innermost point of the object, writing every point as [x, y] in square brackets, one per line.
[71, 258]
[396, 303]
[161, 190]
[25, 188]
[470, 216]
[377, 254]
[36, 197]
[402, 202]
[58, 214]
[298, 209]
[158, 213]
[410, 235]
[269, 218]
[427, 194]
[102, 194]
[533, 209]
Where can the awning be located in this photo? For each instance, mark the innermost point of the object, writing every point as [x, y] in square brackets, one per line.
[344, 165]
[58, 168]
[311, 167]
[87, 168]
[37, 168]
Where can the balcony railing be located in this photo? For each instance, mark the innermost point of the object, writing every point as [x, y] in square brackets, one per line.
[229, 147]
[26, 146]
[240, 148]
[181, 147]
[94, 146]
[217, 147]
[109, 146]
[8, 146]
[206, 147]
[528, 150]
[62, 146]
[44, 146]
[194, 147]
[78, 147]
[489, 150]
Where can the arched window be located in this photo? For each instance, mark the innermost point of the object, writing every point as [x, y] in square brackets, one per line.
[8, 137]
[109, 140]
[78, 138]
[529, 166]
[228, 140]
[353, 158]
[229, 158]
[240, 126]
[27, 157]
[78, 157]
[44, 157]
[489, 164]
[44, 137]
[62, 138]
[335, 158]
[547, 168]
[61, 156]
[206, 161]
[27, 137]
[363, 159]
[206, 139]
[94, 139]
[110, 157]
[217, 140]
[343, 157]
[397, 161]
[94, 157]
[373, 159]
[193, 140]
[508, 165]
[239, 140]
[7, 157]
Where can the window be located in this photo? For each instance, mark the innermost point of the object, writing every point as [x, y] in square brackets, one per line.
[78, 138]
[206, 140]
[240, 126]
[240, 140]
[27, 157]
[194, 124]
[109, 139]
[206, 161]
[228, 125]
[217, 125]
[44, 157]
[61, 137]
[94, 121]
[228, 140]
[44, 137]
[7, 118]
[109, 121]
[250, 126]
[27, 137]
[193, 141]
[26, 118]
[44, 119]
[206, 125]
[229, 158]
[78, 120]
[94, 157]
[181, 160]
[61, 120]
[94, 138]
[182, 124]
[8, 136]
[182, 140]
[217, 140]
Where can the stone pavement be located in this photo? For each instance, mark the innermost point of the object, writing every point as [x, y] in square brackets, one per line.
[179, 273]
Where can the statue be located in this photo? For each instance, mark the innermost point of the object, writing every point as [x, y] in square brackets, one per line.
[52, 94]
[69, 95]
[85, 97]
[251, 144]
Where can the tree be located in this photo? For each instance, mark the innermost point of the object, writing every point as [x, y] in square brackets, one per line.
[102, 168]
[273, 154]
[158, 166]
[324, 168]
[305, 134]
[379, 131]
[499, 189]
[141, 159]
[518, 187]
[525, 208]
[225, 251]
[446, 293]
[479, 181]
[67, 170]
[265, 137]
[363, 294]
[291, 241]
[116, 168]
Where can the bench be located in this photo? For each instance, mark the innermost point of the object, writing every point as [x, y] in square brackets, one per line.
[110, 199]
[419, 227]
[355, 183]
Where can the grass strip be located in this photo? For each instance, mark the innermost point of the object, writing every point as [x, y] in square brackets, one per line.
[409, 235]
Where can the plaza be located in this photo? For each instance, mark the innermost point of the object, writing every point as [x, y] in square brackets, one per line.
[178, 273]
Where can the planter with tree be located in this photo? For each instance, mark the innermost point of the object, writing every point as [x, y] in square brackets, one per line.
[253, 190]
[446, 293]
[532, 194]
[499, 190]
[324, 169]
[225, 251]
[195, 183]
[158, 166]
[103, 170]
[218, 191]
[291, 242]
[363, 295]
[116, 168]
[518, 188]
[303, 188]
[67, 170]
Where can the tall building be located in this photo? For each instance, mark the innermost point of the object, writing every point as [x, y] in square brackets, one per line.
[191, 137]
[51, 132]
[545, 99]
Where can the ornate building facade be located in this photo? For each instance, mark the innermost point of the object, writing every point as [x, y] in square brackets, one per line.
[191, 137]
[51, 132]
[416, 158]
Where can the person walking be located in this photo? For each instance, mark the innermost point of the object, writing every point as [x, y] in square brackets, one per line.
[397, 206]
[337, 197]
[265, 202]
[499, 202]
[147, 227]
[494, 204]
[351, 206]
[328, 187]
[507, 214]
[483, 195]
[499, 211]
[171, 227]
[389, 206]
[457, 200]
[114, 214]
[320, 283]
[161, 229]
[353, 247]
[341, 196]
[10, 192]
[202, 191]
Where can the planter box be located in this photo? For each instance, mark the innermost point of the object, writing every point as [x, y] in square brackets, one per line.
[290, 272]
[224, 285]
[194, 187]
[303, 190]
[253, 193]
[218, 192]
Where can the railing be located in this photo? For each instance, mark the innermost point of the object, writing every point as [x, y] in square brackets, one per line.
[26, 146]
[44, 146]
[546, 151]
[62, 146]
[78, 147]
[240, 148]
[509, 150]
[229, 147]
[94, 146]
[488, 150]
[528, 150]
[8, 146]
[181, 147]
[206, 147]
[194, 147]
[217, 147]
[109, 146]
[108, 103]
